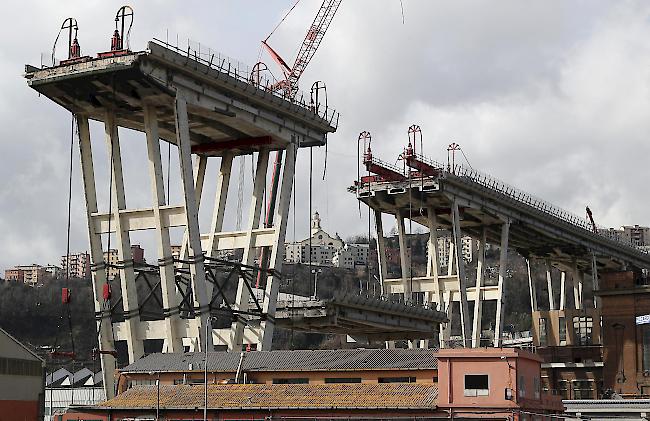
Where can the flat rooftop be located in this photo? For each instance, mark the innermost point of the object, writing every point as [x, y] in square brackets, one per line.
[226, 110]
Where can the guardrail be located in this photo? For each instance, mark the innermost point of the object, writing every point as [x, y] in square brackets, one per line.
[242, 72]
[528, 199]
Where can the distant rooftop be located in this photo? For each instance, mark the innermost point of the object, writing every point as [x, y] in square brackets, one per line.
[316, 360]
[295, 396]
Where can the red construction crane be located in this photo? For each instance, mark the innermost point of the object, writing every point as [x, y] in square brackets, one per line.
[308, 48]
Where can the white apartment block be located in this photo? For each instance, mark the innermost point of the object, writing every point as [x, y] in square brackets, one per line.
[343, 259]
[635, 235]
[444, 245]
[326, 250]
[79, 265]
[32, 274]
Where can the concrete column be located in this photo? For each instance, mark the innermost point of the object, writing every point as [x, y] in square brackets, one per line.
[280, 224]
[104, 325]
[595, 283]
[195, 252]
[433, 269]
[127, 274]
[404, 257]
[381, 250]
[532, 288]
[549, 285]
[462, 282]
[257, 199]
[173, 340]
[478, 302]
[576, 281]
[503, 262]
[562, 290]
[221, 197]
[200, 165]
[445, 333]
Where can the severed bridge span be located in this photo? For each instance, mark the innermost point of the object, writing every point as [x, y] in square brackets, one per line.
[209, 108]
[213, 109]
[467, 202]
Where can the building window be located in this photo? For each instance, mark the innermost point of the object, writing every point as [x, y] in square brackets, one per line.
[521, 386]
[396, 380]
[582, 327]
[645, 348]
[291, 381]
[343, 380]
[536, 386]
[563, 388]
[20, 367]
[583, 389]
[476, 385]
[562, 330]
[542, 331]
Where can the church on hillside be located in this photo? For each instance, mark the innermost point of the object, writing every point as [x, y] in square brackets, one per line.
[325, 249]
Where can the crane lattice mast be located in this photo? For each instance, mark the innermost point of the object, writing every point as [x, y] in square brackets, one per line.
[308, 48]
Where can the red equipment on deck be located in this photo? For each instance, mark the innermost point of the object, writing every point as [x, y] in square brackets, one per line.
[418, 162]
[373, 165]
[118, 38]
[62, 355]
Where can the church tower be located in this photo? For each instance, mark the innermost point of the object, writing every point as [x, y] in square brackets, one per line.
[315, 223]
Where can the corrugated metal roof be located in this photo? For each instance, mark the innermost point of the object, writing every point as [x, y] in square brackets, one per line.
[316, 360]
[298, 396]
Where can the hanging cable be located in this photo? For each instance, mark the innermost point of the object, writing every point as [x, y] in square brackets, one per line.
[410, 249]
[466, 160]
[169, 164]
[293, 274]
[65, 292]
[311, 166]
[283, 19]
[401, 3]
[240, 191]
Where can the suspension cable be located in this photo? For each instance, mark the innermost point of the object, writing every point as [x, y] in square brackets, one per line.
[311, 149]
[293, 274]
[283, 19]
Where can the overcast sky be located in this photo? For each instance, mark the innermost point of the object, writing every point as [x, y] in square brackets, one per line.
[550, 96]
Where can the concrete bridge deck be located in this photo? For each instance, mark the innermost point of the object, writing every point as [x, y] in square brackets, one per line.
[370, 318]
[537, 228]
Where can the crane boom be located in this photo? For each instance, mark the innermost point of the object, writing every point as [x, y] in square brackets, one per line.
[310, 44]
[313, 39]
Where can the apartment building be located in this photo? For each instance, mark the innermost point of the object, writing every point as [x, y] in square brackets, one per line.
[77, 265]
[29, 274]
[112, 259]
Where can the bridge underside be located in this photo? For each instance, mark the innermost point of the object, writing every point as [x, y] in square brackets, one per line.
[533, 232]
[361, 317]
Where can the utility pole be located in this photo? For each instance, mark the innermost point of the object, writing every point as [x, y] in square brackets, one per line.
[208, 331]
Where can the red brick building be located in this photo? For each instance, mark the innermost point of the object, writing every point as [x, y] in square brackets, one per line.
[369, 384]
[625, 298]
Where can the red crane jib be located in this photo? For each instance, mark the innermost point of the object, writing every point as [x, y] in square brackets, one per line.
[386, 174]
[424, 168]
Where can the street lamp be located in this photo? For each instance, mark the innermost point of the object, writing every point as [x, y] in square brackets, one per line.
[315, 272]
